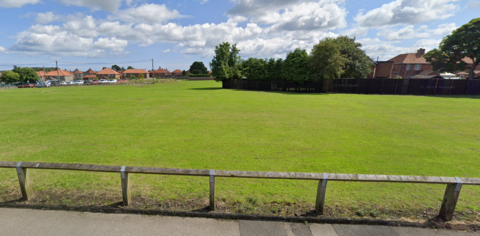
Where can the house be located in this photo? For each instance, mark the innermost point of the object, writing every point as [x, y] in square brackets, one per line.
[59, 75]
[161, 73]
[108, 73]
[41, 74]
[409, 64]
[77, 75]
[177, 73]
[135, 72]
[381, 69]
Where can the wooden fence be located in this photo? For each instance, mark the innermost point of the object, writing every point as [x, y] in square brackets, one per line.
[365, 86]
[449, 202]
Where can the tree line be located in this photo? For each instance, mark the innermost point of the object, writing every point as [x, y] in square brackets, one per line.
[331, 58]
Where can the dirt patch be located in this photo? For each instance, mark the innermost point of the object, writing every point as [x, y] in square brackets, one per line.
[110, 201]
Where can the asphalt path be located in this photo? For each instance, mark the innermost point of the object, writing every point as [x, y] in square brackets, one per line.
[15, 221]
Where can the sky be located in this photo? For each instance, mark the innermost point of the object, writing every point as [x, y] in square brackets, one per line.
[87, 34]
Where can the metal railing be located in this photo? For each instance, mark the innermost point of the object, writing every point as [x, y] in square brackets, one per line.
[447, 209]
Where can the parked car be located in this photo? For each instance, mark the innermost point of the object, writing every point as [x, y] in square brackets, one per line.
[77, 82]
[122, 81]
[26, 86]
[87, 82]
[94, 81]
[43, 85]
[103, 81]
[112, 81]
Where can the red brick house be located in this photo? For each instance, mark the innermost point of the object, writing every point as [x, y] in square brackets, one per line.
[41, 74]
[135, 72]
[63, 75]
[77, 75]
[410, 64]
[160, 73]
[108, 73]
[177, 73]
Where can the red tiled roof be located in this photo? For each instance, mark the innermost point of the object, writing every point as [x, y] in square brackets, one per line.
[409, 58]
[177, 71]
[135, 71]
[90, 72]
[41, 73]
[58, 73]
[77, 72]
[108, 71]
[90, 76]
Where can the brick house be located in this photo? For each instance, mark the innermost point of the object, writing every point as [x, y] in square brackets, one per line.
[62, 75]
[108, 73]
[161, 73]
[381, 70]
[41, 74]
[177, 73]
[77, 75]
[135, 72]
[410, 64]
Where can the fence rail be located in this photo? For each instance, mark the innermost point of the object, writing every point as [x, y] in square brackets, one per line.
[447, 209]
[365, 86]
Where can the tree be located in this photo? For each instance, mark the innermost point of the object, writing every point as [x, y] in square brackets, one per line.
[129, 67]
[295, 68]
[116, 68]
[359, 64]
[104, 67]
[278, 69]
[254, 69]
[133, 77]
[198, 68]
[326, 61]
[270, 68]
[123, 68]
[10, 77]
[463, 44]
[141, 76]
[184, 72]
[226, 62]
[26, 74]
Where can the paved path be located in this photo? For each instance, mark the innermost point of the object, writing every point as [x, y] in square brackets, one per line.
[52, 223]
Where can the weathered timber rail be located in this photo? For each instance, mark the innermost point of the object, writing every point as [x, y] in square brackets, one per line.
[447, 209]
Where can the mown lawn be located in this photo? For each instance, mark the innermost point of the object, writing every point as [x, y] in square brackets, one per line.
[199, 125]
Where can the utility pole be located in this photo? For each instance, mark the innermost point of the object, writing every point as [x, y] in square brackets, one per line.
[58, 73]
[153, 72]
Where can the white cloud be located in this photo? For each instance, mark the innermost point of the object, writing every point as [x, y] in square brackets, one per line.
[95, 5]
[49, 17]
[428, 44]
[17, 3]
[146, 13]
[410, 32]
[320, 15]
[375, 48]
[166, 50]
[407, 12]
[2, 50]
[474, 4]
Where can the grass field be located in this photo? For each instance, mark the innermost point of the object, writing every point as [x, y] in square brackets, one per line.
[199, 125]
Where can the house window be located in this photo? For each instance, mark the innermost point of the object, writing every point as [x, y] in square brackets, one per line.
[417, 67]
[408, 66]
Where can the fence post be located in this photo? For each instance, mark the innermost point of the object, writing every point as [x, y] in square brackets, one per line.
[450, 200]
[25, 183]
[212, 190]
[126, 193]
[322, 188]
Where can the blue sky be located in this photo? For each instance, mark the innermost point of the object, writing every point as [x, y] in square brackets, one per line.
[95, 33]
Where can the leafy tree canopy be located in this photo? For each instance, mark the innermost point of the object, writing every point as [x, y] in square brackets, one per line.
[326, 61]
[116, 68]
[129, 67]
[226, 62]
[463, 44]
[10, 77]
[27, 75]
[198, 68]
[254, 69]
[295, 67]
[359, 64]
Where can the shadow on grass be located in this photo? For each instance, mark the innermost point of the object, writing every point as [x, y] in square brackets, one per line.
[454, 96]
[208, 88]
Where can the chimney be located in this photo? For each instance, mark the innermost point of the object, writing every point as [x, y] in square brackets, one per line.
[420, 52]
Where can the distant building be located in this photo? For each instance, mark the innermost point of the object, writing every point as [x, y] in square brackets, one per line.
[135, 72]
[161, 73]
[108, 73]
[59, 75]
[177, 73]
[41, 74]
[77, 75]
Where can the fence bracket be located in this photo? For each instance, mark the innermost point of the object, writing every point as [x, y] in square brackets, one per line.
[126, 193]
[25, 183]
[322, 188]
[452, 192]
[212, 190]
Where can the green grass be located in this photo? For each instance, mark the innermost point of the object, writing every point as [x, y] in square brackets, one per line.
[198, 125]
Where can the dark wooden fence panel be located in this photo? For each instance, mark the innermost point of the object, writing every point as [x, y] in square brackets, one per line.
[427, 87]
